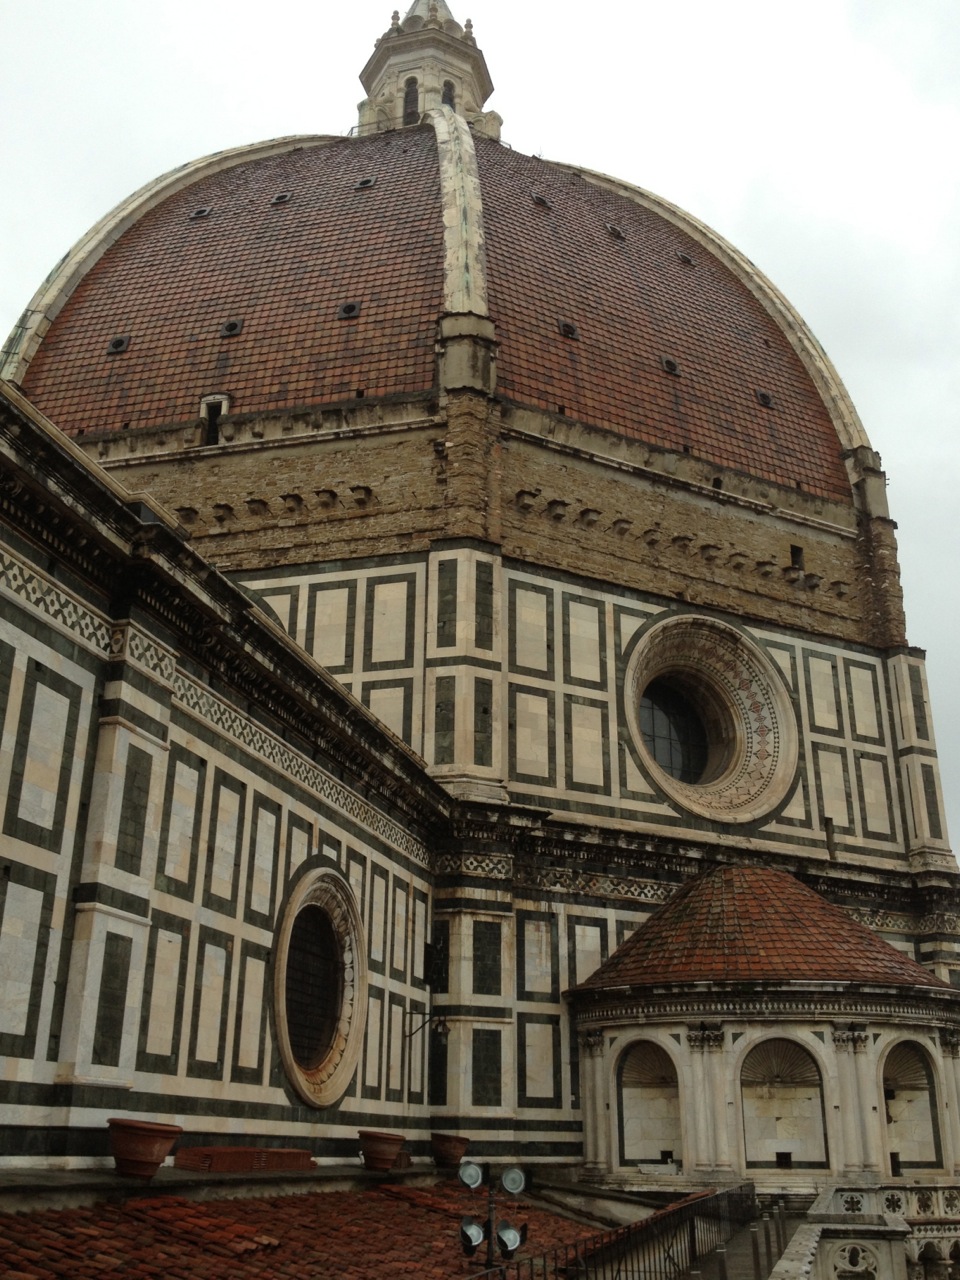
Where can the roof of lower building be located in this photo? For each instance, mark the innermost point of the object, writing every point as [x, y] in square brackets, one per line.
[754, 924]
[374, 1234]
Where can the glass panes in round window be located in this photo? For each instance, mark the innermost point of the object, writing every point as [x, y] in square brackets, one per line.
[673, 731]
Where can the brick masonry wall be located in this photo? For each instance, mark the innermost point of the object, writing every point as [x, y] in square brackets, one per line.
[652, 521]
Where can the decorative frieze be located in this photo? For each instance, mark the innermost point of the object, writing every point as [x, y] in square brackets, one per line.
[202, 703]
[41, 595]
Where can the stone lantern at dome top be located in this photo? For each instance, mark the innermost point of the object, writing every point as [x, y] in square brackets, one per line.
[426, 61]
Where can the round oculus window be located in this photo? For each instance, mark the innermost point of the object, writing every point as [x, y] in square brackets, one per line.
[320, 987]
[711, 719]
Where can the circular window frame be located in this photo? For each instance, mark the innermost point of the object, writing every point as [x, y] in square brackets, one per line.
[743, 700]
[324, 1084]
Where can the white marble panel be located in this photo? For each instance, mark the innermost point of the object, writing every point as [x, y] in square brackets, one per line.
[331, 616]
[261, 889]
[182, 813]
[910, 1128]
[299, 847]
[537, 956]
[783, 1118]
[417, 1050]
[388, 705]
[588, 956]
[378, 921]
[251, 1015]
[399, 928]
[355, 874]
[389, 626]
[796, 808]
[163, 1004]
[862, 692]
[419, 937]
[539, 1060]
[628, 628]
[395, 1068]
[211, 1003]
[44, 756]
[371, 1071]
[531, 629]
[584, 641]
[823, 693]
[282, 606]
[586, 745]
[651, 1122]
[19, 934]
[532, 735]
[873, 776]
[225, 848]
[833, 787]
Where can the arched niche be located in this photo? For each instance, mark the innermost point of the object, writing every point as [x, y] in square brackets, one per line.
[910, 1100]
[648, 1095]
[783, 1116]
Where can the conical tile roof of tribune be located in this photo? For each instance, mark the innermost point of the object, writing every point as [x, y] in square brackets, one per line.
[754, 924]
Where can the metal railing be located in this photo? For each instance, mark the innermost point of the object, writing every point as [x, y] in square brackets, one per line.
[664, 1246]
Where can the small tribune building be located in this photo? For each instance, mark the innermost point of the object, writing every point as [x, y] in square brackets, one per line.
[443, 583]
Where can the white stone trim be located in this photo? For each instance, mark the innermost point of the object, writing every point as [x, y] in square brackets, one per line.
[465, 259]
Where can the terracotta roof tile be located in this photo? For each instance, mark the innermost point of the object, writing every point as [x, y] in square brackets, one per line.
[373, 1234]
[634, 302]
[753, 924]
[171, 282]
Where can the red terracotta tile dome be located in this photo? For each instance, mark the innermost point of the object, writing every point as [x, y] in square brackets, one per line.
[606, 309]
[754, 924]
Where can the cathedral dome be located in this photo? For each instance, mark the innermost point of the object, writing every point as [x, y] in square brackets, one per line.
[304, 272]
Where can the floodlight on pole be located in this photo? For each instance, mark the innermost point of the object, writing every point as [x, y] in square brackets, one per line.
[508, 1238]
[471, 1175]
[472, 1235]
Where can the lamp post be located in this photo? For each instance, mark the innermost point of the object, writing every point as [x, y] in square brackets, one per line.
[442, 1028]
[472, 1233]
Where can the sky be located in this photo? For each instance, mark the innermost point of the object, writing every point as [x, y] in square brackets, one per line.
[822, 139]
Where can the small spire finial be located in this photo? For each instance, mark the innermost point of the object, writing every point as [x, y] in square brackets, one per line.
[468, 31]
[433, 14]
[395, 20]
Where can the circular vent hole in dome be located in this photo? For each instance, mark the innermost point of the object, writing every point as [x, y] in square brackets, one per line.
[348, 311]
[202, 212]
[568, 330]
[685, 258]
[614, 231]
[116, 345]
[540, 200]
[365, 183]
[766, 399]
[282, 197]
[231, 328]
[670, 365]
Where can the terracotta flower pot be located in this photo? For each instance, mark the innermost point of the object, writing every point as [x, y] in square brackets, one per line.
[139, 1147]
[379, 1150]
[448, 1149]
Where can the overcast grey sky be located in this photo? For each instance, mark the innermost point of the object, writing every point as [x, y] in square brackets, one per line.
[822, 139]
